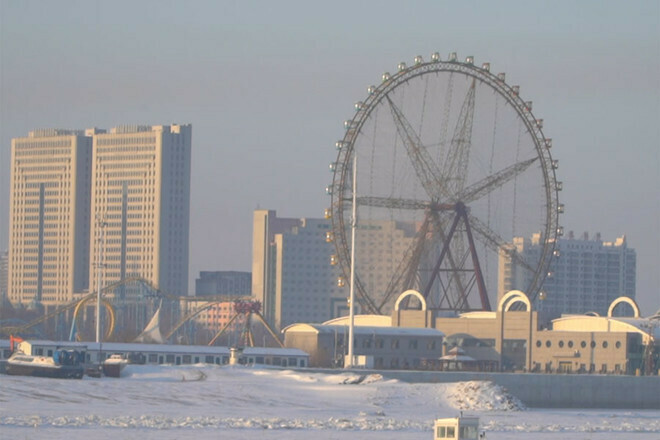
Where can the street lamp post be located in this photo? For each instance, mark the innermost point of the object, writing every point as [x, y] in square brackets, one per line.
[351, 300]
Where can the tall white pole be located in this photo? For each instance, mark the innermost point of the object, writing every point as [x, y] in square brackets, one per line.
[99, 267]
[351, 300]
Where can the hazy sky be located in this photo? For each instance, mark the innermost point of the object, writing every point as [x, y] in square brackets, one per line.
[267, 86]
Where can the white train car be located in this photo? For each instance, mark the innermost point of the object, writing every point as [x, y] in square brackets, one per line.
[158, 354]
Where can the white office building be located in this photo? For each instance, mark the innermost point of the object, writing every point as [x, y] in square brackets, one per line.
[141, 200]
[49, 216]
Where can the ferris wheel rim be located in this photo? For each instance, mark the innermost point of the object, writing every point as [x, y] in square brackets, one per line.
[376, 94]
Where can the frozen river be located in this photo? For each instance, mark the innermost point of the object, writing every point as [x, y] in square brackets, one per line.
[206, 401]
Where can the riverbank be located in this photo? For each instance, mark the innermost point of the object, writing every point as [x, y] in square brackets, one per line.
[552, 390]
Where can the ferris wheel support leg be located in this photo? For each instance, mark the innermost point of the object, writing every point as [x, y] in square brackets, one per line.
[445, 249]
[485, 303]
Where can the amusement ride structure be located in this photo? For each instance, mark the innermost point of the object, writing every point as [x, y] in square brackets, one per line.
[144, 317]
[451, 153]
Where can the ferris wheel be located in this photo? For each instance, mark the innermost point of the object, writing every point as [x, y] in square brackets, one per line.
[453, 171]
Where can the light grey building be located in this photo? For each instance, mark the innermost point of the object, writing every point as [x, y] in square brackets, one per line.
[292, 274]
[295, 270]
[586, 275]
[4, 273]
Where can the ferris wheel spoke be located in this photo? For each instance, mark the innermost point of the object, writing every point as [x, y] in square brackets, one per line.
[458, 155]
[391, 203]
[494, 181]
[491, 239]
[365, 300]
[426, 169]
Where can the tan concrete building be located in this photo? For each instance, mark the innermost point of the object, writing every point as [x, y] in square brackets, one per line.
[505, 340]
[574, 343]
[49, 216]
[141, 200]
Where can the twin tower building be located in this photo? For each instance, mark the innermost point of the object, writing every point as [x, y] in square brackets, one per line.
[126, 189]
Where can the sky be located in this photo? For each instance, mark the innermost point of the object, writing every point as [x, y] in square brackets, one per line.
[267, 86]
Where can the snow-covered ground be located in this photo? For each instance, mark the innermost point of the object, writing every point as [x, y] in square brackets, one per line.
[205, 401]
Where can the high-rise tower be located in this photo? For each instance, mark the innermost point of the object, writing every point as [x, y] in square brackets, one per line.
[141, 199]
[49, 216]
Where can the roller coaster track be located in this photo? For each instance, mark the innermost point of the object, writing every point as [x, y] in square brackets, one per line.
[72, 305]
[196, 312]
[247, 328]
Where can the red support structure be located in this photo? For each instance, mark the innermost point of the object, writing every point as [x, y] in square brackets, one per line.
[461, 214]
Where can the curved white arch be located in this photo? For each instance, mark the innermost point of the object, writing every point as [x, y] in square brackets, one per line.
[624, 299]
[592, 314]
[511, 298]
[407, 293]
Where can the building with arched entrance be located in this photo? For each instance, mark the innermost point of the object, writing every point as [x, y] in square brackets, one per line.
[573, 344]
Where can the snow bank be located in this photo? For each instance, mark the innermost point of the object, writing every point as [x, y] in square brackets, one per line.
[481, 396]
